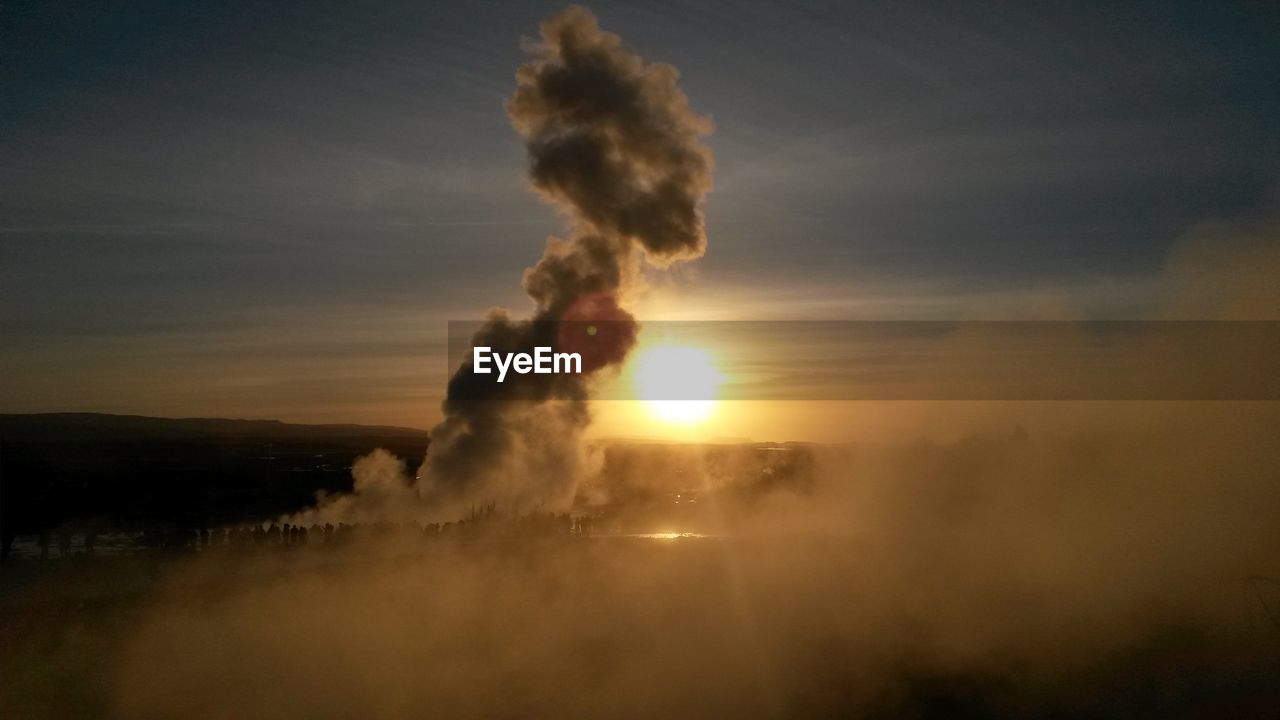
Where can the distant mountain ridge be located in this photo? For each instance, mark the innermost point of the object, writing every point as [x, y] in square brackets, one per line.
[105, 426]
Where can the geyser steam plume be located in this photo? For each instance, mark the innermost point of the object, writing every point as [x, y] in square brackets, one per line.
[613, 144]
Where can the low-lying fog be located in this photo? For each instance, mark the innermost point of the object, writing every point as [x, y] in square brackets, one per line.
[1097, 571]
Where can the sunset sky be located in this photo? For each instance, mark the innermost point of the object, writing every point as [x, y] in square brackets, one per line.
[273, 209]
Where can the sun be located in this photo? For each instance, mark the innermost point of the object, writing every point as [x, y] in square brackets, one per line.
[678, 384]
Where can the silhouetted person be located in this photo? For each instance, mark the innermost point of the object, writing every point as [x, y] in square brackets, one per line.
[44, 544]
[90, 539]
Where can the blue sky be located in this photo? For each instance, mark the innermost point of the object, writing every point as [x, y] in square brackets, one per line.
[271, 209]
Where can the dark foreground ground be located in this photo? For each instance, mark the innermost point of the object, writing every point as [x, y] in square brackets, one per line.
[595, 627]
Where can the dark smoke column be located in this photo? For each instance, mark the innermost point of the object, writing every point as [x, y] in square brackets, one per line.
[613, 144]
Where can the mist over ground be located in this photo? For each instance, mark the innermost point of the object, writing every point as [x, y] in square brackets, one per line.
[1052, 567]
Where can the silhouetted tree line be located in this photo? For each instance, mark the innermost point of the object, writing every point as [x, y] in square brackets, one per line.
[288, 536]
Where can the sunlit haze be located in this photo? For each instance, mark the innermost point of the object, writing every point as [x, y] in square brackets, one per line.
[743, 359]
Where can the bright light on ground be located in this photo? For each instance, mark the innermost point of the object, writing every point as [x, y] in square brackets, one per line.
[677, 383]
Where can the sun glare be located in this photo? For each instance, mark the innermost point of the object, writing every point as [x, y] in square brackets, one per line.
[677, 383]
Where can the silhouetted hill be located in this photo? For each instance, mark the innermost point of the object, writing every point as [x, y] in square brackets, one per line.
[100, 426]
[133, 471]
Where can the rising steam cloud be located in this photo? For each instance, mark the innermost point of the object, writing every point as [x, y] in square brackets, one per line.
[612, 144]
